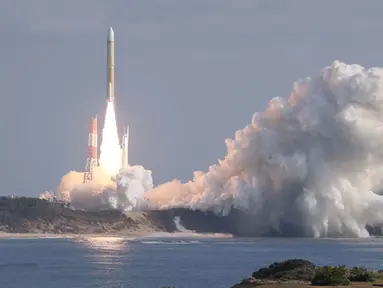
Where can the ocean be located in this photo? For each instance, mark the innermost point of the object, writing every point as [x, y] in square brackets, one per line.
[193, 262]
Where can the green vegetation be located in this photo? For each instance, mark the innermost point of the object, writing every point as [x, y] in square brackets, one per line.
[296, 271]
[331, 276]
[299, 271]
[292, 269]
[359, 274]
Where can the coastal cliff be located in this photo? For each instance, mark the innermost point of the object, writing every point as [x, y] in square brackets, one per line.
[39, 216]
[33, 215]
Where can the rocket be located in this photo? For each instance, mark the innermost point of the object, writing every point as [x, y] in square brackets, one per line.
[110, 94]
[125, 149]
[110, 66]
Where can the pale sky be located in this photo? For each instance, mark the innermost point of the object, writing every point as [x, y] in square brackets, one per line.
[189, 73]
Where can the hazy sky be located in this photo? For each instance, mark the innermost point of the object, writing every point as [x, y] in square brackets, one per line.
[189, 73]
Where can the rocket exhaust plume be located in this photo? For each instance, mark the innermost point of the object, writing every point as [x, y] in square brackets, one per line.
[309, 165]
[110, 150]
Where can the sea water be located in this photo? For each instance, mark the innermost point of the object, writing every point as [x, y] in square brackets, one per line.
[193, 262]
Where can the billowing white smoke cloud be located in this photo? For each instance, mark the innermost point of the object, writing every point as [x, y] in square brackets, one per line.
[312, 160]
[126, 194]
[132, 183]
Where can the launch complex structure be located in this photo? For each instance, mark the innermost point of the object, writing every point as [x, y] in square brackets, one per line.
[92, 158]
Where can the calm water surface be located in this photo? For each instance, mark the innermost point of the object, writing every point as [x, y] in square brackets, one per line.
[153, 262]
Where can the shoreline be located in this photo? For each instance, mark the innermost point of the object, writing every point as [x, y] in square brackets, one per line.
[127, 236]
[130, 236]
[162, 234]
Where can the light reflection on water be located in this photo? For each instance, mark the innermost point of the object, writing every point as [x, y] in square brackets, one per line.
[107, 252]
[104, 243]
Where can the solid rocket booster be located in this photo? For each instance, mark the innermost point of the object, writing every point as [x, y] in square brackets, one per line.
[91, 161]
[125, 149]
[110, 66]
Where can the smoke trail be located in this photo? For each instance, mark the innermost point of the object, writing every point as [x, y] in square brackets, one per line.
[179, 226]
[110, 150]
[312, 162]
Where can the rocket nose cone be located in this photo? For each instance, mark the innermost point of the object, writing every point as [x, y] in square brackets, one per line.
[110, 34]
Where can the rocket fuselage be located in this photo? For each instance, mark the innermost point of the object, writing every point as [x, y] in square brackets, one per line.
[110, 66]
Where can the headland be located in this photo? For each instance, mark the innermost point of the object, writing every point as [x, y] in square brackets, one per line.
[33, 216]
[24, 215]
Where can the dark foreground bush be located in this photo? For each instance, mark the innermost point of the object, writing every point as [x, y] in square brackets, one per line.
[358, 274]
[292, 269]
[331, 276]
[302, 271]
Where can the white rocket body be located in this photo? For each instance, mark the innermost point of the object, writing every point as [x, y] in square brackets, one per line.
[110, 66]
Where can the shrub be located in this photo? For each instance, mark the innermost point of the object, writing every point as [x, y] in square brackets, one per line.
[359, 274]
[245, 281]
[292, 269]
[331, 276]
[378, 275]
